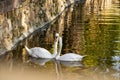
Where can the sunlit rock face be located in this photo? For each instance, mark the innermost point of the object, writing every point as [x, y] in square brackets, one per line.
[19, 18]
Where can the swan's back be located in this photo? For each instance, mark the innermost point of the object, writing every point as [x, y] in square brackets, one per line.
[70, 57]
[40, 52]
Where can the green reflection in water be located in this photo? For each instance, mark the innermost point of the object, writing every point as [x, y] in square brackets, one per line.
[102, 35]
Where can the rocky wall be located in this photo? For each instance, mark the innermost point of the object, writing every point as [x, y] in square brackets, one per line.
[21, 18]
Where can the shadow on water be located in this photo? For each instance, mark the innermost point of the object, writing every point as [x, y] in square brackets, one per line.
[95, 33]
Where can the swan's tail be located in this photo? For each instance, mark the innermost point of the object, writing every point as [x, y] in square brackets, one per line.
[27, 49]
[85, 55]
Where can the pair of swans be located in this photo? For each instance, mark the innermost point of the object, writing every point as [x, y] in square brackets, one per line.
[43, 53]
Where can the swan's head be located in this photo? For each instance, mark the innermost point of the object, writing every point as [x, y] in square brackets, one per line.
[56, 36]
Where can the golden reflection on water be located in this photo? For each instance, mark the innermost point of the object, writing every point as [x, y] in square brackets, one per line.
[45, 69]
[53, 70]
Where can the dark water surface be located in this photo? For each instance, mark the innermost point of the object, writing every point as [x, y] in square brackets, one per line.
[95, 33]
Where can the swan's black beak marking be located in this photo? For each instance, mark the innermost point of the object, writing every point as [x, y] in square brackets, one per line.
[56, 39]
[56, 36]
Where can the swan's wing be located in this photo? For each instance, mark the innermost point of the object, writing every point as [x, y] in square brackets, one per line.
[71, 57]
[41, 52]
[34, 52]
[44, 53]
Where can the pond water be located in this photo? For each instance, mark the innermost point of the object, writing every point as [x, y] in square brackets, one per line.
[95, 33]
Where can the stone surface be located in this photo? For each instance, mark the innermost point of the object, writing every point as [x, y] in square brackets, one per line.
[19, 18]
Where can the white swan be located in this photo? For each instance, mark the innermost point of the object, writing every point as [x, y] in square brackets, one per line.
[39, 52]
[67, 56]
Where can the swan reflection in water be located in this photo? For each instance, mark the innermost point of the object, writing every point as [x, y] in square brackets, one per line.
[71, 63]
[39, 61]
[57, 65]
[43, 61]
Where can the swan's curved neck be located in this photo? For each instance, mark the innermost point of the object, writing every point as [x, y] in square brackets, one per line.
[55, 48]
[60, 48]
[29, 51]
